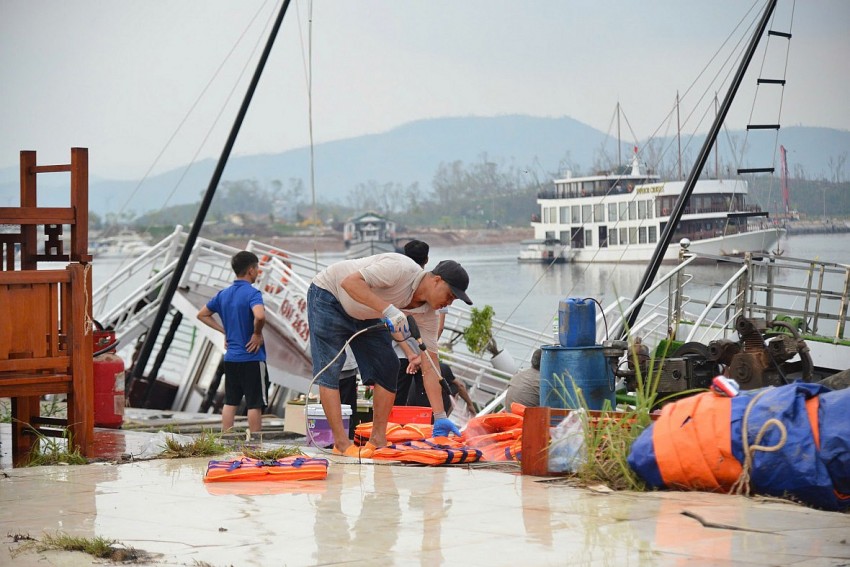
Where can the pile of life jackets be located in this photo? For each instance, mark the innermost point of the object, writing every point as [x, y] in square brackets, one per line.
[248, 469]
[797, 436]
[493, 437]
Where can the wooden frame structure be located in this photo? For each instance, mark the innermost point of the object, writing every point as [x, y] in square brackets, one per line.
[46, 339]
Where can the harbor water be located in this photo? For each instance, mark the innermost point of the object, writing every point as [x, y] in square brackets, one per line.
[529, 294]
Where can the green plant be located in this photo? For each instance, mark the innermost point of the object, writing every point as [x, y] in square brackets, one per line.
[98, 546]
[5, 411]
[271, 454]
[48, 451]
[478, 336]
[609, 434]
[206, 444]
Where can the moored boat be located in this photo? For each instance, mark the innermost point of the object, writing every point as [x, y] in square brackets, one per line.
[368, 234]
[619, 217]
[547, 251]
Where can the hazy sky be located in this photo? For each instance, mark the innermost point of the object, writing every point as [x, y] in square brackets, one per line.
[119, 77]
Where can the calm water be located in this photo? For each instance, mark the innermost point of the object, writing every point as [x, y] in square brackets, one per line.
[528, 294]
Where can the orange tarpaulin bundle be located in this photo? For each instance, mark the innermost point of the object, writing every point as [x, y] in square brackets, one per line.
[396, 433]
[434, 451]
[248, 469]
[497, 435]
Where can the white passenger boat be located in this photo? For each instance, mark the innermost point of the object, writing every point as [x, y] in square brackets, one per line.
[619, 217]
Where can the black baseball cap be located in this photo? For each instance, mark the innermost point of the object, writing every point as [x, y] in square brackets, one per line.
[453, 274]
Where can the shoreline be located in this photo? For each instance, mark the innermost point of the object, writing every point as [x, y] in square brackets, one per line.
[437, 238]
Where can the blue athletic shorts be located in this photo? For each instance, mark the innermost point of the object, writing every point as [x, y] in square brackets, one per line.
[331, 326]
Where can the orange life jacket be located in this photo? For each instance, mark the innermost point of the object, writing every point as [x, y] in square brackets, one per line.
[287, 468]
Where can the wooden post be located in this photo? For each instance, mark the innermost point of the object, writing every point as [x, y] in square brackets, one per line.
[29, 240]
[80, 339]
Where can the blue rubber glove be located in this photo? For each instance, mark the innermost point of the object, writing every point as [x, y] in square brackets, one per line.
[444, 426]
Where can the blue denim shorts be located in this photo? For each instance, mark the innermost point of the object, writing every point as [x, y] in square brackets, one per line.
[331, 326]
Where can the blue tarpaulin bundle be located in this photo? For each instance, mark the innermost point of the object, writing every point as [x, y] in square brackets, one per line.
[798, 437]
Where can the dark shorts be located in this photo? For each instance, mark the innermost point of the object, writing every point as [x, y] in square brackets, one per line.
[248, 379]
[331, 326]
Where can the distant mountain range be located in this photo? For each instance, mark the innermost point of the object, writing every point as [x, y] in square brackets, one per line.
[411, 153]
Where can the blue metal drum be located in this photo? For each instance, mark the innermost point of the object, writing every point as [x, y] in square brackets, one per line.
[563, 370]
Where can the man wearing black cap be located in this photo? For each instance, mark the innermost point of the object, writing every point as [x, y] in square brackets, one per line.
[354, 295]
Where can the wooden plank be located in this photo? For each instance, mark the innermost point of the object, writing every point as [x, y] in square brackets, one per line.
[15, 365]
[25, 277]
[35, 385]
[51, 168]
[27, 216]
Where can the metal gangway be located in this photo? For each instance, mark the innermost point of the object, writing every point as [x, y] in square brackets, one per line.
[188, 353]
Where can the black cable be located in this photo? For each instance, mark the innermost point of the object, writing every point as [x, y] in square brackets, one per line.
[602, 310]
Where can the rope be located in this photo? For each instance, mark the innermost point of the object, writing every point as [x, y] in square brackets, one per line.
[742, 485]
[88, 321]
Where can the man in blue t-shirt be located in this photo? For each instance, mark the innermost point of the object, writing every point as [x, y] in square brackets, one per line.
[242, 314]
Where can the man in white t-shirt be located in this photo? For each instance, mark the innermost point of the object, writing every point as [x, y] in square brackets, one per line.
[373, 295]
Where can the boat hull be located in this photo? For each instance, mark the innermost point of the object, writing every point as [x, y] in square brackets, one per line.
[764, 240]
[369, 248]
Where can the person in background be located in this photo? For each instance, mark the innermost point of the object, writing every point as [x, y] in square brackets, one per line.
[524, 387]
[348, 388]
[369, 294]
[242, 313]
[417, 251]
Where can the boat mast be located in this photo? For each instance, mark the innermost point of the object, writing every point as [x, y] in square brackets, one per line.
[679, 207]
[168, 294]
[619, 148]
[679, 135]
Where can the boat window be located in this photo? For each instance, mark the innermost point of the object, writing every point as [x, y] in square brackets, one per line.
[641, 209]
[586, 213]
[565, 236]
[632, 210]
[550, 235]
[624, 239]
[624, 208]
[642, 235]
[545, 214]
[603, 237]
[612, 212]
[599, 213]
[575, 214]
[653, 238]
[577, 240]
[553, 214]
[565, 215]
[633, 235]
[612, 237]
[588, 237]
[649, 209]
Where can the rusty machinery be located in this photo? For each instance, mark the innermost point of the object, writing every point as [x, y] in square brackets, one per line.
[761, 357]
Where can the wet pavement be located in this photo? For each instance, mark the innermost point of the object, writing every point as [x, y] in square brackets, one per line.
[378, 514]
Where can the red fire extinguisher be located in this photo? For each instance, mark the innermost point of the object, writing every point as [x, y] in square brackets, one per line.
[108, 381]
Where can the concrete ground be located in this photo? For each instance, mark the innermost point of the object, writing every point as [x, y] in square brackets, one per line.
[373, 513]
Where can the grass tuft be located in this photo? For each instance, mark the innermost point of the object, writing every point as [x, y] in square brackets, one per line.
[609, 436]
[48, 451]
[271, 454]
[207, 444]
[98, 546]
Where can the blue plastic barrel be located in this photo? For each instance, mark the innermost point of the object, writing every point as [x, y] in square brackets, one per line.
[565, 369]
[576, 322]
